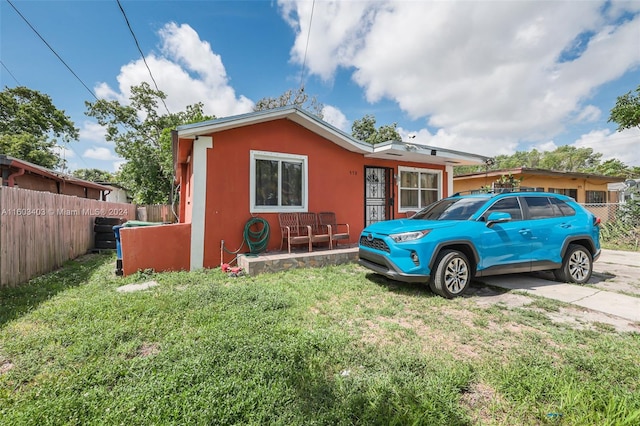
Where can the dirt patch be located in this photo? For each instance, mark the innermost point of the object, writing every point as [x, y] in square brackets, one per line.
[391, 332]
[130, 288]
[84, 258]
[478, 400]
[584, 319]
[6, 366]
[147, 349]
[432, 331]
[488, 296]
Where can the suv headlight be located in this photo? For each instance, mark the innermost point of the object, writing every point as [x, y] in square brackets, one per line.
[409, 236]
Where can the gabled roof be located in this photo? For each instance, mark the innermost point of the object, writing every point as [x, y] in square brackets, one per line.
[538, 172]
[11, 162]
[295, 114]
[388, 150]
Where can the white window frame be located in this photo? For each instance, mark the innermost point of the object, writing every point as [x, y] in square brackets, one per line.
[401, 169]
[277, 156]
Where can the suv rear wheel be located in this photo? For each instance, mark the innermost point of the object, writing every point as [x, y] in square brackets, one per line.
[577, 265]
[451, 275]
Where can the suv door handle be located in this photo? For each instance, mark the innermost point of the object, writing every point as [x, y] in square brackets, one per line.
[565, 225]
[525, 231]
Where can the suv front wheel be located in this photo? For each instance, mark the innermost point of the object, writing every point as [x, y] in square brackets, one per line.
[577, 265]
[451, 274]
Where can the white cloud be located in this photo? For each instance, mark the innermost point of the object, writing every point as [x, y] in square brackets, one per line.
[71, 166]
[117, 164]
[619, 145]
[187, 72]
[337, 31]
[589, 113]
[477, 145]
[103, 90]
[92, 131]
[546, 146]
[490, 73]
[64, 151]
[336, 118]
[100, 153]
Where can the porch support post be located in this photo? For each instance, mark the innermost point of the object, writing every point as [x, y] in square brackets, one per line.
[199, 199]
[449, 170]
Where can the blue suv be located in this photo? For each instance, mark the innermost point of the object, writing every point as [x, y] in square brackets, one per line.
[453, 240]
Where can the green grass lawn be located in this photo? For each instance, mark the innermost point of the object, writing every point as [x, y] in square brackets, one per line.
[319, 346]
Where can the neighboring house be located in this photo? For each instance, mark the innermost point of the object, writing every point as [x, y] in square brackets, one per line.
[22, 174]
[282, 160]
[117, 193]
[585, 188]
[627, 190]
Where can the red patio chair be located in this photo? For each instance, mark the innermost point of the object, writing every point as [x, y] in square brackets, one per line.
[319, 233]
[292, 231]
[338, 231]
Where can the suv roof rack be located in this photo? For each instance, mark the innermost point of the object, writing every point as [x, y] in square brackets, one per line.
[483, 191]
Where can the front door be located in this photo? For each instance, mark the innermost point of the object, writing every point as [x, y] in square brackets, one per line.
[378, 191]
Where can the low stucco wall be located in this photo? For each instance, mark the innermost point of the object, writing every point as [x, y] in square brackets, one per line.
[161, 248]
[254, 265]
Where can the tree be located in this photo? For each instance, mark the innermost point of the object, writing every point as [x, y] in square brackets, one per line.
[143, 137]
[365, 130]
[568, 158]
[29, 124]
[93, 175]
[531, 159]
[613, 167]
[296, 97]
[634, 172]
[564, 159]
[626, 112]
[36, 150]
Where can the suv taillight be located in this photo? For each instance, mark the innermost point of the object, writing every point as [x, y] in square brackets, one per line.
[596, 221]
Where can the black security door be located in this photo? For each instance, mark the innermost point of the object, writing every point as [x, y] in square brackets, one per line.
[378, 192]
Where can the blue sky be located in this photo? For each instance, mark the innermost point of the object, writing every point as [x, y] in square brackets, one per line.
[488, 77]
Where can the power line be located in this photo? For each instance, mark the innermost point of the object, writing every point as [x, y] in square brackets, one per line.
[10, 73]
[52, 50]
[141, 54]
[306, 48]
[61, 60]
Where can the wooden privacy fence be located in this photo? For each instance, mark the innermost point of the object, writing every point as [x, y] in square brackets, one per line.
[156, 213]
[39, 231]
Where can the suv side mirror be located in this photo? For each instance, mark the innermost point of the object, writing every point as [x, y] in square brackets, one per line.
[497, 217]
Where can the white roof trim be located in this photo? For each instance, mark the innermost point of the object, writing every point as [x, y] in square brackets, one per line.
[386, 150]
[294, 114]
[424, 154]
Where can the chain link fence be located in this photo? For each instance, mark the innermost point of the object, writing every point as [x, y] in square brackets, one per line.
[620, 224]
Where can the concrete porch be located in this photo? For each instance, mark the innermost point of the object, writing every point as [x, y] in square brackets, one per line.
[279, 261]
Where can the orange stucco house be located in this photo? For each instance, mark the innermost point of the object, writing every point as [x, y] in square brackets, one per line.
[282, 160]
[585, 188]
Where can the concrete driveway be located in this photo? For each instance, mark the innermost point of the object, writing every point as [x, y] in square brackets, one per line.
[613, 290]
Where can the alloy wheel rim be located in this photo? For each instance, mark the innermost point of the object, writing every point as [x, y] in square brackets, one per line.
[456, 275]
[579, 265]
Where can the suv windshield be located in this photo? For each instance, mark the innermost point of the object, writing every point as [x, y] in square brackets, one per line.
[451, 209]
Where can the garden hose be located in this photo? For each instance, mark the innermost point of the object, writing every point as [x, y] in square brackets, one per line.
[256, 240]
